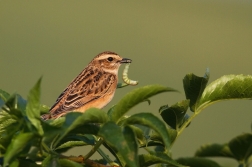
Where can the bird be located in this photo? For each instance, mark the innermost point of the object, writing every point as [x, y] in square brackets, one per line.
[94, 87]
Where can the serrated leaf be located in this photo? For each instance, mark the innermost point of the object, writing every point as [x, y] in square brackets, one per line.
[157, 157]
[198, 162]
[241, 146]
[113, 136]
[75, 139]
[33, 108]
[194, 86]
[153, 122]
[16, 146]
[174, 115]
[71, 144]
[214, 150]
[135, 97]
[226, 88]
[76, 119]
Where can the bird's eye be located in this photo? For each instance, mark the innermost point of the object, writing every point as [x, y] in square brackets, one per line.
[110, 59]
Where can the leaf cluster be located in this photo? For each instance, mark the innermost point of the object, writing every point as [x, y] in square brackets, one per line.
[26, 140]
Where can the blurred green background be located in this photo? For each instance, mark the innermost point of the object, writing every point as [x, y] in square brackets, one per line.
[165, 39]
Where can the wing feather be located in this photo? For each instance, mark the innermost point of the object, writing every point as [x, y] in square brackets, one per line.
[89, 85]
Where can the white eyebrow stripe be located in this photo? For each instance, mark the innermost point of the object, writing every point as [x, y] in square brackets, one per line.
[106, 56]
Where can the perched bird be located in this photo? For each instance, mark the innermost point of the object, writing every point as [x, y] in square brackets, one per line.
[94, 87]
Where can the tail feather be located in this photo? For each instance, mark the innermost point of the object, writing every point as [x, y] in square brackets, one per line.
[45, 117]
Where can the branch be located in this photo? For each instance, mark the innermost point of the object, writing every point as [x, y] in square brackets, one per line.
[80, 159]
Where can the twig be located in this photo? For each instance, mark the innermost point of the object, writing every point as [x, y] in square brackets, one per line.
[81, 159]
[93, 150]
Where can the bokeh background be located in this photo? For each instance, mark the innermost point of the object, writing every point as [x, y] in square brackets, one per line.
[165, 39]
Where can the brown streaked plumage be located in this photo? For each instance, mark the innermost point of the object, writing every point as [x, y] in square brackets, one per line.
[93, 87]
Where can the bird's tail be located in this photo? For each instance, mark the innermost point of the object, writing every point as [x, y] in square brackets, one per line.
[45, 117]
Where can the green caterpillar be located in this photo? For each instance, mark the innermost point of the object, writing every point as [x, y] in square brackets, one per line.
[125, 76]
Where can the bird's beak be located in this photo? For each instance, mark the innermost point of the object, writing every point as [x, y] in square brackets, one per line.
[125, 60]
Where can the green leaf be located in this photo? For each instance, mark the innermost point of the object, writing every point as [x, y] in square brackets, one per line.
[8, 128]
[214, 150]
[157, 138]
[6, 123]
[85, 129]
[4, 95]
[156, 158]
[15, 105]
[135, 97]
[58, 127]
[44, 109]
[75, 139]
[174, 115]
[14, 163]
[113, 136]
[21, 104]
[194, 86]
[130, 138]
[50, 161]
[139, 135]
[6, 119]
[150, 120]
[1, 104]
[33, 108]
[74, 120]
[68, 163]
[11, 104]
[110, 111]
[198, 162]
[16, 146]
[71, 144]
[27, 163]
[226, 88]
[241, 146]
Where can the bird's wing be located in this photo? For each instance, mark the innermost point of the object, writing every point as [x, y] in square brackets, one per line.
[88, 86]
